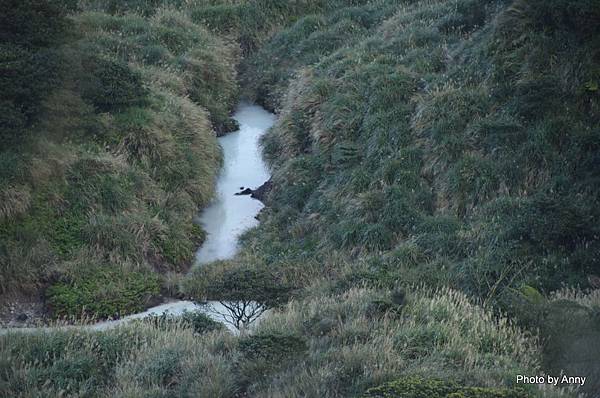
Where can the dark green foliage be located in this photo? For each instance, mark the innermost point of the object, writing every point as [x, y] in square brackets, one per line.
[112, 85]
[227, 282]
[12, 166]
[30, 31]
[102, 292]
[34, 23]
[266, 353]
[28, 76]
[579, 16]
[273, 348]
[430, 388]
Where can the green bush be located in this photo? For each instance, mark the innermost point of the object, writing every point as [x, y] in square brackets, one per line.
[231, 282]
[103, 293]
[112, 85]
[29, 76]
[430, 388]
[559, 15]
[30, 32]
[273, 348]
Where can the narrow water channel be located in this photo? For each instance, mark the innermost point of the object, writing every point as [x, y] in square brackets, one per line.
[229, 215]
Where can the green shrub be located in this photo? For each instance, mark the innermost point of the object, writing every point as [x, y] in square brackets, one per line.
[34, 23]
[273, 348]
[29, 76]
[103, 293]
[230, 282]
[266, 353]
[30, 32]
[430, 388]
[559, 15]
[113, 85]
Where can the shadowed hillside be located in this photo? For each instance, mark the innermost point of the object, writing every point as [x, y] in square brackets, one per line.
[108, 151]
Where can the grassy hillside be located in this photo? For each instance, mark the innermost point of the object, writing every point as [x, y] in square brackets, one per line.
[445, 143]
[453, 144]
[432, 230]
[107, 157]
[326, 346]
[441, 139]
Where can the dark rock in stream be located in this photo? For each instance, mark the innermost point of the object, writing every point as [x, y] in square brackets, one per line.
[246, 191]
[227, 126]
[259, 193]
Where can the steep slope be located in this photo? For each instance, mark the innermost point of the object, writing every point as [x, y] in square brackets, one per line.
[445, 143]
[459, 137]
[109, 153]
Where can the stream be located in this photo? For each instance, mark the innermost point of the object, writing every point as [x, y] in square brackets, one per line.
[226, 218]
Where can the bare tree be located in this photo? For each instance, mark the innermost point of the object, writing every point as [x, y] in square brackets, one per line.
[240, 314]
[241, 294]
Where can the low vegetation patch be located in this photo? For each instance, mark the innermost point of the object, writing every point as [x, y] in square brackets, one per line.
[325, 346]
[103, 293]
[428, 388]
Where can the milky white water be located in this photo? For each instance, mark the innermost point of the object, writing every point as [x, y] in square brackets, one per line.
[227, 217]
[230, 215]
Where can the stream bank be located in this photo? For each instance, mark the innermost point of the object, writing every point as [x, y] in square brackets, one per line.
[229, 216]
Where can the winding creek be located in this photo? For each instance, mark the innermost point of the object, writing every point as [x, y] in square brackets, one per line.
[227, 217]
[230, 215]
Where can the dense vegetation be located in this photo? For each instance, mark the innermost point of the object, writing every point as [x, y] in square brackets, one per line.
[445, 143]
[325, 346]
[433, 226]
[108, 151]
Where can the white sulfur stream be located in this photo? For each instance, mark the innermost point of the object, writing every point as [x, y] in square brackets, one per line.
[225, 219]
[230, 215]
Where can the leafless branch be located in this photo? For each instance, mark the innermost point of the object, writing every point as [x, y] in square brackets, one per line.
[239, 314]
